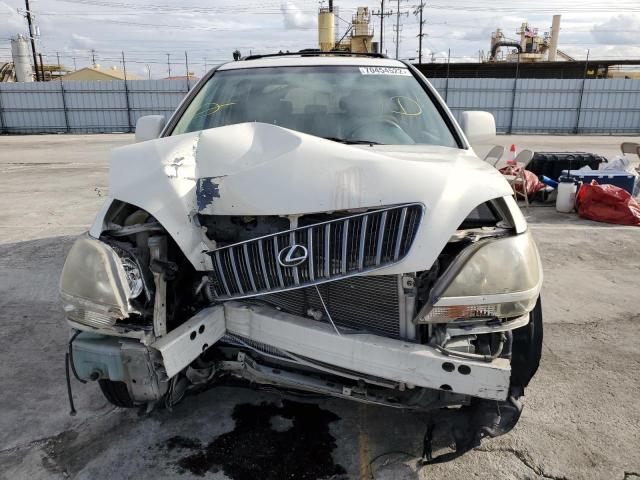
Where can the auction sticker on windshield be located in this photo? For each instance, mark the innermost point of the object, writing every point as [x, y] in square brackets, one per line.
[385, 71]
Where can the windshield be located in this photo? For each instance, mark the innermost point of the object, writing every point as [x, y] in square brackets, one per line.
[381, 105]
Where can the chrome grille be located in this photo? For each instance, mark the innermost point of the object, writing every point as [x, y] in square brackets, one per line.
[369, 303]
[335, 249]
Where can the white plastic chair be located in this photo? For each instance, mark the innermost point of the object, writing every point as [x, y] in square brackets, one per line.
[631, 148]
[517, 176]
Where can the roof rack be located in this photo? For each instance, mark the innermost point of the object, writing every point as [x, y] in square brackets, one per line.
[315, 53]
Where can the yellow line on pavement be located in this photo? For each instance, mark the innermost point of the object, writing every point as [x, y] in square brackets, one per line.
[364, 449]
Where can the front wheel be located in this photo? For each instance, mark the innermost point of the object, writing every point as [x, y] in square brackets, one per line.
[527, 349]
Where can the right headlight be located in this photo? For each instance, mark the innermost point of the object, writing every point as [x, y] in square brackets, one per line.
[94, 285]
[499, 278]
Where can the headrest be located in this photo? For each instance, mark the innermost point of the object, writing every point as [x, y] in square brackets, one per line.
[315, 109]
[359, 103]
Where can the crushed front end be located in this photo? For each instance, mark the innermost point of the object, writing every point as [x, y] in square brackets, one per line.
[346, 302]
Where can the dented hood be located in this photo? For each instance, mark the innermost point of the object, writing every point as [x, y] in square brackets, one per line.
[261, 169]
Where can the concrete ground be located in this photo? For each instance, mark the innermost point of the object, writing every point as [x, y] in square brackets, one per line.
[581, 418]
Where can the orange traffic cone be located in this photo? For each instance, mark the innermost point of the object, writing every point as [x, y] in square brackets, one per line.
[511, 159]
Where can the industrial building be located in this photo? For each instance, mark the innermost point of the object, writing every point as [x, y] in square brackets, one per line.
[531, 47]
[20, 69]
[574, 69]
[358, 38]
[533, 54]
[97, 72]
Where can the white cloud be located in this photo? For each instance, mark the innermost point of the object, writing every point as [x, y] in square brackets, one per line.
[212, 30]
[80, 42]
[480, 34]
[621, 29]
[11, 22]
[294, 18]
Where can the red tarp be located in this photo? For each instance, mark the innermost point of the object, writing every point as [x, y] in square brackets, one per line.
[607, 203]
[530, 179]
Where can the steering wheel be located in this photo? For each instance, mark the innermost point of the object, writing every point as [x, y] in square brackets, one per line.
[390, 130]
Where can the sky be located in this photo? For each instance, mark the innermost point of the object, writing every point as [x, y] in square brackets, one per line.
[148, 30]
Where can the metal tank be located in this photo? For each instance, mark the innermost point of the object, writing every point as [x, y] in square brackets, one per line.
[326, 29]
[21, 62]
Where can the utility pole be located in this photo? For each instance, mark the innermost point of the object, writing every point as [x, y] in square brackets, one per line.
[381, 13]
[382, 23]
[41, 66]
[93, 57]
[74, 64]
[32, 38]
[398, 14]
[398, 31]
[169, 64]
[124, 69]
[186, 66]
[418, 11]
[126, 93]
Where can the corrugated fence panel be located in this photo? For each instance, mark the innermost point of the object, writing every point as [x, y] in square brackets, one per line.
[488, 94]
[32, 107]
[100, 108]
[156, 97]
[609, 106]
[546, 105]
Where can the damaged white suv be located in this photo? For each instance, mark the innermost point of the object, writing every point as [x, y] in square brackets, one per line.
[317, 223]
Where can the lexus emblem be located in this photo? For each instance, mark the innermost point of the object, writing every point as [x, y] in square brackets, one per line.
[293, 255]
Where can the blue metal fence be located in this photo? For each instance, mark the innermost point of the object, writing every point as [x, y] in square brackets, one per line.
[604, 106]
[85, 106]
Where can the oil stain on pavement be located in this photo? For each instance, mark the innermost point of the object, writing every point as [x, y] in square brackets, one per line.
[269, 442]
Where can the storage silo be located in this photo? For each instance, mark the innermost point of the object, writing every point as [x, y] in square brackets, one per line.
[326, 28]
[21, 62]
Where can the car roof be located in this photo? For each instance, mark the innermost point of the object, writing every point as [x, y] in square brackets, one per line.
[312, 60]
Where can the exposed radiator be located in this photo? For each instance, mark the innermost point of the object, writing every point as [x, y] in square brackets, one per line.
[370, 303]
[315, 254]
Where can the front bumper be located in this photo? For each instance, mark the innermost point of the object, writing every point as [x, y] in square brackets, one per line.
[385, 358]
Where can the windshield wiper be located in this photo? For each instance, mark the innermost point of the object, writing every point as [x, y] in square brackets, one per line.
[351, 142]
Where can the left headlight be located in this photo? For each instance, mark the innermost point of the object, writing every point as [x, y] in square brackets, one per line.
[94, 286]
[500, 278]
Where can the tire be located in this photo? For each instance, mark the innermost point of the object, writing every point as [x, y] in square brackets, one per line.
[116, 393]
[527, 348]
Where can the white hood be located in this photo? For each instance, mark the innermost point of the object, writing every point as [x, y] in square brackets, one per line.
[261, 169]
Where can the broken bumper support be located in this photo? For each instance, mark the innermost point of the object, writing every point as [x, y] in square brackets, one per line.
[381, 357]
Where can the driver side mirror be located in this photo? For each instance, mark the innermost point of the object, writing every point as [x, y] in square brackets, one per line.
[479, 127]
[149, 127]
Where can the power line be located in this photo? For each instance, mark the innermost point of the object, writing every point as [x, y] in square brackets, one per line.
[236, 7]
[197, 27]
[532, 8]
